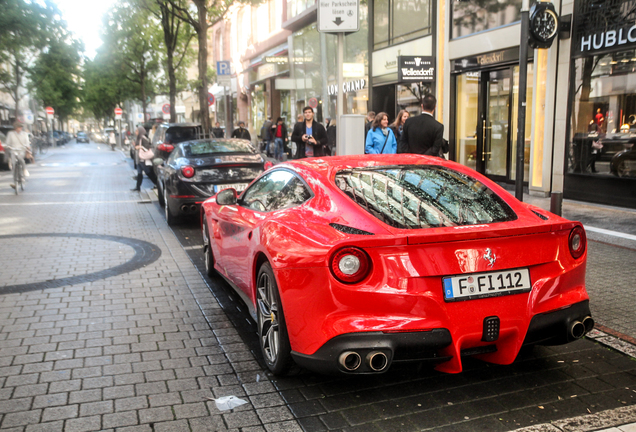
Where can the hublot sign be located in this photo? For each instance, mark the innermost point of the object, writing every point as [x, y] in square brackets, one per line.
[603, 27]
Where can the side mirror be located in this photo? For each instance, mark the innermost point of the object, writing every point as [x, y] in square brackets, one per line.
[226, 197]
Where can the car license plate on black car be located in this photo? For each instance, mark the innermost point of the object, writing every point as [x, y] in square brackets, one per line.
[239, 187]
[492, 284]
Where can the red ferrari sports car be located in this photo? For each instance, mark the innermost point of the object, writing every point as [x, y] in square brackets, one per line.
[350, 264]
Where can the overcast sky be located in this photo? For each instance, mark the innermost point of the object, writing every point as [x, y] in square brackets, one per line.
[84, 18]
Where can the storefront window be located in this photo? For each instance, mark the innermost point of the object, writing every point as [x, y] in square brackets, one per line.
[471, 17]
[467, 117]
[313, 70]
[603, 121]
[296, 7]
[397, 21]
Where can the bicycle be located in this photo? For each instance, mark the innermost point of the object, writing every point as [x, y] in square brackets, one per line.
[18, 170]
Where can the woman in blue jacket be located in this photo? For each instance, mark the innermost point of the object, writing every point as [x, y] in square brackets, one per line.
[380, 139]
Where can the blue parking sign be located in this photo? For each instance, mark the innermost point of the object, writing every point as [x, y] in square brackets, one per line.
[223, 68]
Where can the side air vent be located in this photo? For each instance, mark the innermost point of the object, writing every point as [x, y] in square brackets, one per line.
[349, 230]
[540, 215]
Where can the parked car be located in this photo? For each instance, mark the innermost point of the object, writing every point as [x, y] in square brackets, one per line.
[167, 135]
[82, 137]
[4, 153]
[351, 263]
[198, 169]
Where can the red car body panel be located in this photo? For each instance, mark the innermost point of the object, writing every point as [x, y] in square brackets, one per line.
[404, 290]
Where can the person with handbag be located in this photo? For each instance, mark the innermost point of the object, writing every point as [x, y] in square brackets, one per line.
[145, 155]
[380, 138]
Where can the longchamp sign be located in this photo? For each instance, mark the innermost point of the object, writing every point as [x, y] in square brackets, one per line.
[416, 68]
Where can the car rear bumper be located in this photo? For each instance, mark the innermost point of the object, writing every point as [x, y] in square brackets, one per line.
[355, 353]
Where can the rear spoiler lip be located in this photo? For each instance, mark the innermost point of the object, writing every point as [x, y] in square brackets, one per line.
[453, 234]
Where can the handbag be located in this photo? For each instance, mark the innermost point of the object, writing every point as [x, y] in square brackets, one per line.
[146, 154]
[597, 145]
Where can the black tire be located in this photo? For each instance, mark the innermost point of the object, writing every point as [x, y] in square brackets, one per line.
[208, 256]
[160, 198]
[170, 217]
[272, 329]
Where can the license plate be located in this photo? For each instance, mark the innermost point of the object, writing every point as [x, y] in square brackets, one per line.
[239, 187]
[492, 284]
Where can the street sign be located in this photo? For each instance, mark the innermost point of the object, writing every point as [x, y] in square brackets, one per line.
[223, 68]
[165, 108]
[50, 111]
[28, 117]
[118, 113]
[338, 16]
[313, 102]
[211, 99]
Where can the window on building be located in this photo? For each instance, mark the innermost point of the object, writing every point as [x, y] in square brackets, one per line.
[603, 121]
[471, 17]
[397, 21]
[296, 7]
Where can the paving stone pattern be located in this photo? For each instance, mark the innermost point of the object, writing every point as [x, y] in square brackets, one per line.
[141, 351]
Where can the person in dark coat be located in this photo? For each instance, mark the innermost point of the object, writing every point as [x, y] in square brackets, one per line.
[310, 136]
[217, 131]
[423, 134]
[241, 132]
[332, 137]
[279, 134]
[398, 125]
[143, 166]
[368, 124]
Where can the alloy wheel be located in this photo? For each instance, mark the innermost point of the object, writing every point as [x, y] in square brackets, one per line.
[268, 325]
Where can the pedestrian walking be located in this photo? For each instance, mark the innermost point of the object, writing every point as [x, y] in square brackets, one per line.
[266, 136]
[143, 156]
[18, 140]
[309, 135]
[423, 134]
[300, 117]
[217, 131]
[398, 125]
[369, 123]
[332, 137]
[380, 138]
[279, 132]
[241, 132]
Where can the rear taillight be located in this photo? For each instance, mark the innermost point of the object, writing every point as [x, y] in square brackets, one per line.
[187, 171]
[577, 242]
[350, 265]
[268, 165]
[165, 147]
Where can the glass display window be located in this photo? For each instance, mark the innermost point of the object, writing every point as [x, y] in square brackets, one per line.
[603, 115]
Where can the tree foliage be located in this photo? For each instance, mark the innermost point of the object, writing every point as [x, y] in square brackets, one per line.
[27, 29]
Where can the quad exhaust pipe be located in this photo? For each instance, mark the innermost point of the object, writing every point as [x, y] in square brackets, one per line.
[376, 361]
[578, 329]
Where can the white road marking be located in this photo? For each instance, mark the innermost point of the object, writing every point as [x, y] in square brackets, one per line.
[610, 233]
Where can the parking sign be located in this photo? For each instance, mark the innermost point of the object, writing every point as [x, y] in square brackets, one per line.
[223, 68]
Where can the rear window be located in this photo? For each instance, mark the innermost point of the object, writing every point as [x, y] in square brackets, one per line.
[421, 196]
[176, 135]
[217, 146]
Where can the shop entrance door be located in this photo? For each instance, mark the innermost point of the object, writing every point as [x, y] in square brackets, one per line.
[496, 113]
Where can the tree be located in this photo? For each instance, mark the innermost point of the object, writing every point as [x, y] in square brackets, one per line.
[133, 42]
[105, 85]
[205, 14]
[25, 31]
[177, 39]
[56, 76]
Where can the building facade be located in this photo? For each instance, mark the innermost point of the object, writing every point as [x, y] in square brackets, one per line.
[581, 92]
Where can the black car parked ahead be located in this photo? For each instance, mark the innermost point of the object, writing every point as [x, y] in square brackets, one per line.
[196, 170]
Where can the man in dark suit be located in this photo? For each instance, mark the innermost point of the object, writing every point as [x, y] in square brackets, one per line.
[423, 134]
[310, 136]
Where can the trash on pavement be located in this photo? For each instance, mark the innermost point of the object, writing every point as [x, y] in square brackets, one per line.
[228, 402]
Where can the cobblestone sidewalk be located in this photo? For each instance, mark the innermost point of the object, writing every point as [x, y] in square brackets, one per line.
[145, 347]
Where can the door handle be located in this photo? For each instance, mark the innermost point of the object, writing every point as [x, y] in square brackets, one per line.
[483, 150]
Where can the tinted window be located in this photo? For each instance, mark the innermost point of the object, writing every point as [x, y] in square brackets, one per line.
[423, 197]
[221, 146]
[176, 135]
[275, 191]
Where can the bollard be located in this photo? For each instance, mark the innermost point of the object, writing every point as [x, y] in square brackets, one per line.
[556, 203]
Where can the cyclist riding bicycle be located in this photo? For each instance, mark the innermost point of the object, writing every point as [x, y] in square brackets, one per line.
[18, 140]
